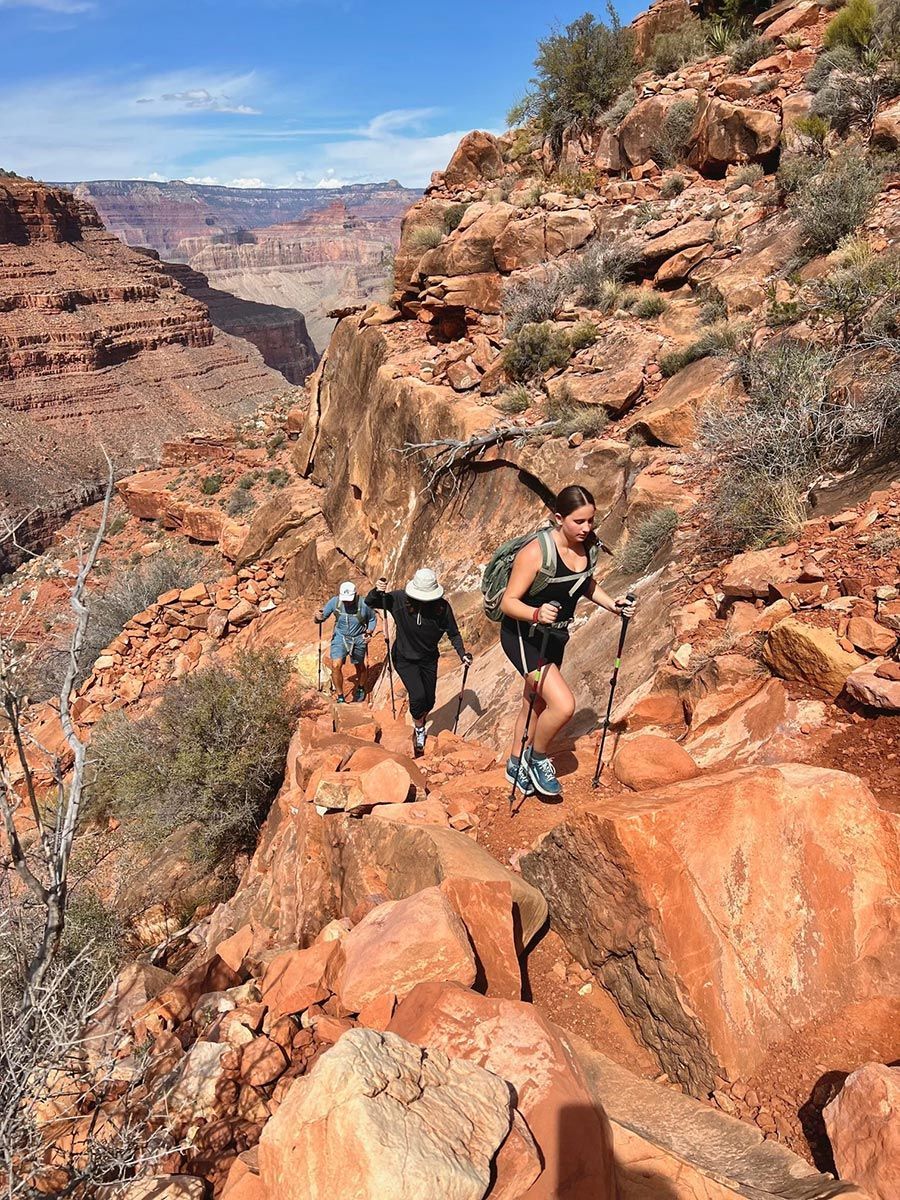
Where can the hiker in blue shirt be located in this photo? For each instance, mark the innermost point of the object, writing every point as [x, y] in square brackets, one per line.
[354, 625]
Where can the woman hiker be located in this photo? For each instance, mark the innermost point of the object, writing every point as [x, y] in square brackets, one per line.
[527, 613]
[354, 625]
[421, 618]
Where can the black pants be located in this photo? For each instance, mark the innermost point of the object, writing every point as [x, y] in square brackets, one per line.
[420, 680]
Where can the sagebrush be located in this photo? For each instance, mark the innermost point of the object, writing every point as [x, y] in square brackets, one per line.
[647, 540]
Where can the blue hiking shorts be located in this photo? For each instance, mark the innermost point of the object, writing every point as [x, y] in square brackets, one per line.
[343, 648]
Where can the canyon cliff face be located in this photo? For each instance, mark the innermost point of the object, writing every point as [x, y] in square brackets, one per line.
[99, 346]
[312, 249]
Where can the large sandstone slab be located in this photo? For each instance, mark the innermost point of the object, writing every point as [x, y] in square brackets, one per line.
[377, 1117]
[863, 1123]
[671, 418]
[516, 1042]
[797, 650]
[726, 133]
[714, 946]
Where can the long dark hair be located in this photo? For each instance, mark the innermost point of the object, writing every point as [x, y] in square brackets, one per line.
[572, 497]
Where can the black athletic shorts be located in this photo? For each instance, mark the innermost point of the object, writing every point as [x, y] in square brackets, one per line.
[519, 638]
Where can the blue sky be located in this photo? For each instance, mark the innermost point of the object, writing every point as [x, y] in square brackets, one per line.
[278, 93]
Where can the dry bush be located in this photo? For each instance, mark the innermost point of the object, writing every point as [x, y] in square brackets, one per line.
[573, 417]
[647, 540]
[531, 301]
[613, 117]
[211, 752]
[750, 51]
[671, 142]
[683, 45]
[673, 185]
[792, 430]
[608, 259]
[834, 202]
[513, 400]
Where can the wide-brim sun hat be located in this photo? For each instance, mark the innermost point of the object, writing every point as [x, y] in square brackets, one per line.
[424, 585]
[347, 591]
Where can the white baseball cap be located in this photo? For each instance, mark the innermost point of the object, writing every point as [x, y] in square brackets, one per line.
[348, 591]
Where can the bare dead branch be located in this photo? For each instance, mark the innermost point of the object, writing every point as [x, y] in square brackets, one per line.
[452, 457]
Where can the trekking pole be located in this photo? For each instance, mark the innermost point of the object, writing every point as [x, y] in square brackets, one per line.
[319, 663]
[462, 689]
[387, 641]
[539, 673]
[613, 680]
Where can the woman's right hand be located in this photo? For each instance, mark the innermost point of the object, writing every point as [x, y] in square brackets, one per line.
[547, 614]
[381, 584]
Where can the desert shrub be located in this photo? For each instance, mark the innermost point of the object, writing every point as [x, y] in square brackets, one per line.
[857, 288]
[813, 129]
[884, 542]
[613, 116]
[720, 338]
[719, 36]
[248, 481]
[579, 71]
[683, 45]
[574, 183]
[672, 137]
[846, 100]
[887, 25]
[453, 214]
[277, 477]
[608, 259]
[240, 501]
[793, 429]
[211, 484]
[132, 589]
[426, 237]
[712, 308]
[650, 304]
[531, 301]
[853, 26]
[646, 541]
[793, 41]
[515, 399]
[750, 51]
[275, 442]
[834, 202]
[210, 754]
[583, 334]
[117, 524]
[796, 169]
[530, 196]
[746, 176]
[841, 58]
[573, 417]
[673, 185]
[534, 349]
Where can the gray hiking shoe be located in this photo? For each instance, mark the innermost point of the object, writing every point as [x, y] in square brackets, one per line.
[543, 775]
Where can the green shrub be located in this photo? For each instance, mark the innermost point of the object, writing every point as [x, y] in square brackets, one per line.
[613, 117]
[117, 524]
[579, 71]
[719, 36]
[683, 45]
[673, 185]
[847, 100]
[275, 442]
[573, 417]
[453, 214]
[246, 482]
[93, 933]
[211, 484]
[583, 334]
[887, 26]
[794, 427]
[608, 259]
[814, 129]
[534, 349]
[650, 304]
[834, 202]
[210, 754]
[750, 51]
[647, 540]
[853, 26]
[721, 338]
[672, 138]
[532, 301]
[746, 177]
[515, 399]
[277, 477]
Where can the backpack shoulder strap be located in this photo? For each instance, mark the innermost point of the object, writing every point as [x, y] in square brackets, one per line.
[547, 569]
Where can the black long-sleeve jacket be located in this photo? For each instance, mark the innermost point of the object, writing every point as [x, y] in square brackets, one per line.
[420, 626]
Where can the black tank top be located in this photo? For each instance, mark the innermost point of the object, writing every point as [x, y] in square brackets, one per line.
[557, 590]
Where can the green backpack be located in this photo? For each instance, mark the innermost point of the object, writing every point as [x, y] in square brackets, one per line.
[497, 572]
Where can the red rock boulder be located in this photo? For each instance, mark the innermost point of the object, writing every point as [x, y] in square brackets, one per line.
[648, 761]
[863, 1123]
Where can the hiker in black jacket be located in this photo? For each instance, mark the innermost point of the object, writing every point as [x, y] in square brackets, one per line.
[421, 617]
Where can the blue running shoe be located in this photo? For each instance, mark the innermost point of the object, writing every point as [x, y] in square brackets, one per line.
[543, 775]
[517, 775]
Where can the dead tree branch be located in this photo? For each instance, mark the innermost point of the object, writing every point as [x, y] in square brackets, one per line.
[452, 457]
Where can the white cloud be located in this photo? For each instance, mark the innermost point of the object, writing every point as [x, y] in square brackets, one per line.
[67, 7]
[190, 124]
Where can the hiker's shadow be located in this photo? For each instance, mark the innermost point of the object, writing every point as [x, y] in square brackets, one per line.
[578, 1171]
[444, 717]
[563, 749]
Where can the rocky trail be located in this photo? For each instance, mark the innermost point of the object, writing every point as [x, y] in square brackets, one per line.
[680, 985]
